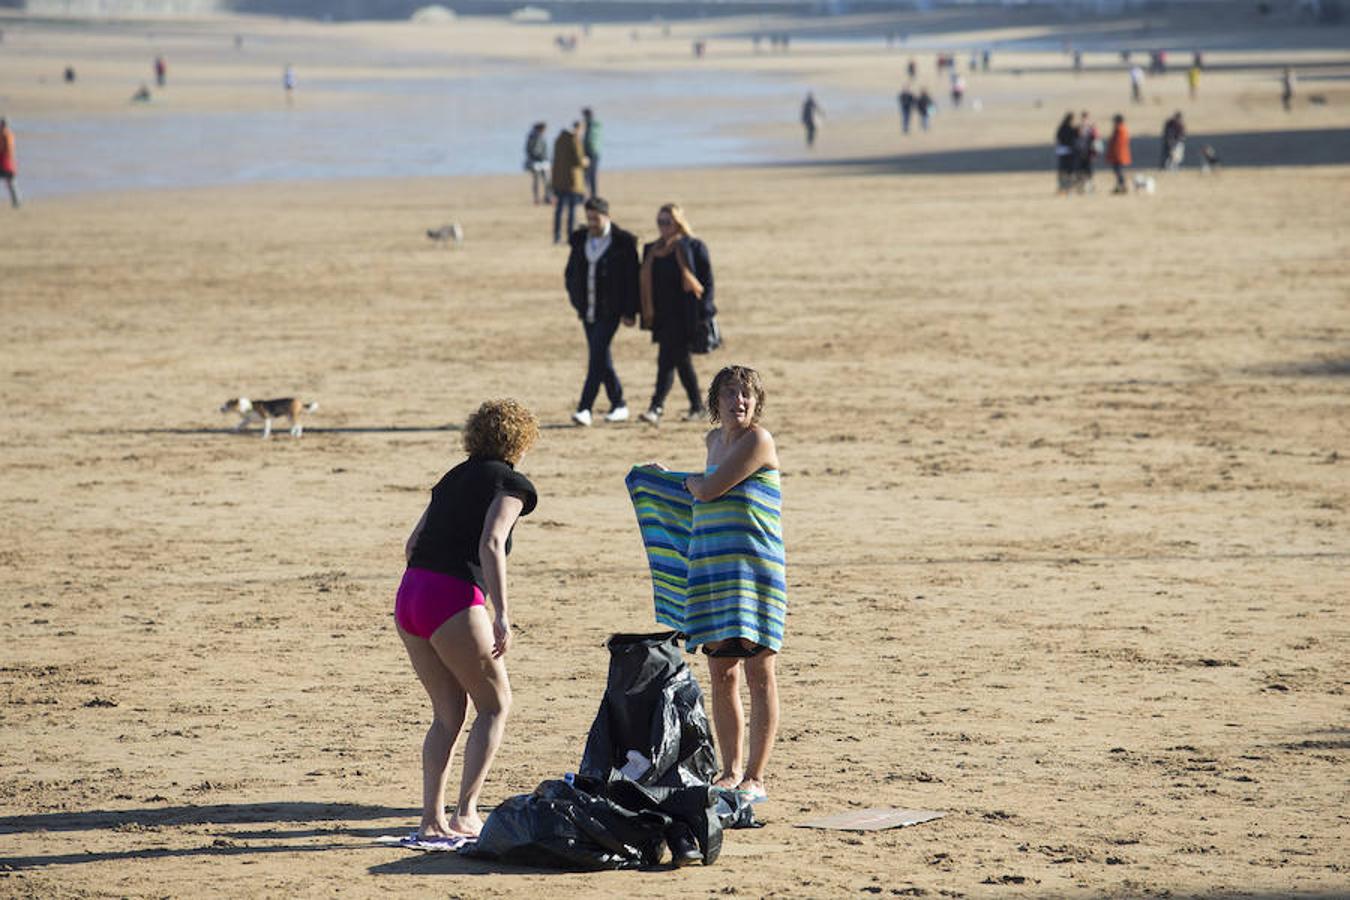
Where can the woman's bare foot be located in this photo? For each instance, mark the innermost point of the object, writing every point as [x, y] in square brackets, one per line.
[728, 781]
[753, 788]
[437, 829]
[469, 826]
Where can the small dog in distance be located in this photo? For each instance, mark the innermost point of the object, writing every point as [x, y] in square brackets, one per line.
[448, 234]
[1144, 184]
[267, 410]
[1209, 160]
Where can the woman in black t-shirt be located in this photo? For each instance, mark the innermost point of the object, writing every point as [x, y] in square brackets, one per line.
[456, 556]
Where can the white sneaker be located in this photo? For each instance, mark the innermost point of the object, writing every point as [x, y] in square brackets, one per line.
[695, 415]
[617, 414]
[582, 417]
[651, 417]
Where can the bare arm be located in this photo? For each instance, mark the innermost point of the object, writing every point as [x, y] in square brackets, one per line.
[751, 452]
[501, 516]
[416, 533]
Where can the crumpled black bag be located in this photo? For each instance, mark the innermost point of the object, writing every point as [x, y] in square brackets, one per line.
[604, 820]
[653, 705]
[592, 825]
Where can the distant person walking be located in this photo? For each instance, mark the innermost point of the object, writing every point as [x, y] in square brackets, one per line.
[569, 164]
[1118, 152]
[924, 107]
[602, 284]
[1287, 82]
[9, 162]
[591, 145]
[1193, 80]
[1066, 137]
[958, 89]
[536, 163]
[812, 113]
[288, 83]
[1136, 83]
[1085, 153]
[906, 100]
[676, 283]
[1173, 143]
[161, 71]
[912, 69]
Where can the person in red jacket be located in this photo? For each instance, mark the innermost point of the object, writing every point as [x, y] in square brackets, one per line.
[9, 167]
[1118, 152]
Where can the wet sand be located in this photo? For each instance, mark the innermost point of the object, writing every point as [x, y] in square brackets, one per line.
[1066, 512]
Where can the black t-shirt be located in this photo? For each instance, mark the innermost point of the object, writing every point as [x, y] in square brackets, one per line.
[449, 540]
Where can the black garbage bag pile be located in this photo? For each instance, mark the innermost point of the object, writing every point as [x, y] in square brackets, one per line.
[643, 784]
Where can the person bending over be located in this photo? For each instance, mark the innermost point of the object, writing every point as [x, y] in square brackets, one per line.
[456, 559]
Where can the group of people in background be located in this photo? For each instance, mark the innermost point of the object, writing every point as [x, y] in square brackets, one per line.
[1078, 145]
[573, 173]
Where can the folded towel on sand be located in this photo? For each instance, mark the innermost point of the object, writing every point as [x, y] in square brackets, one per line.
[718, 569]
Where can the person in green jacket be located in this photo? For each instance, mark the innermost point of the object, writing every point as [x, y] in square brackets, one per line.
[591, 144]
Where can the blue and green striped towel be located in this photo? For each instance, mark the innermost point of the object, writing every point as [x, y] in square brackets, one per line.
[718, 569]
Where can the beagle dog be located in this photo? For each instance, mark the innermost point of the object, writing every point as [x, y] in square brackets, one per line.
[267, 410]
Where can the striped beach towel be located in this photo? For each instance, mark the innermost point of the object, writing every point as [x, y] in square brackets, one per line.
[718, 569]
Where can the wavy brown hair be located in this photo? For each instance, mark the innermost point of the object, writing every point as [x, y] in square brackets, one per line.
[744, 376]
[500, 429]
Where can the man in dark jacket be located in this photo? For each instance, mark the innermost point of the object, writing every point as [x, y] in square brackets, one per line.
[602, 284]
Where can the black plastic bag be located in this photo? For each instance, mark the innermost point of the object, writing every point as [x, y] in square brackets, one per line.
[560, 826]
[652, 706]
[591, 825]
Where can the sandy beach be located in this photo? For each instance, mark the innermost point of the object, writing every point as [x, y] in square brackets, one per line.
[1065, 488]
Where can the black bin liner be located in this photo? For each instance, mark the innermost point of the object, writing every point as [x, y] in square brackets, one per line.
[591, 825]
[603, 819]
[652, 704]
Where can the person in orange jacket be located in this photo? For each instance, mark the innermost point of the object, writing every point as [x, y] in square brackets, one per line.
[9, 166]
[1118, 152]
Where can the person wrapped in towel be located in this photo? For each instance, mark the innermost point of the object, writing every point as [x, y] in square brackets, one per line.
[715, 547]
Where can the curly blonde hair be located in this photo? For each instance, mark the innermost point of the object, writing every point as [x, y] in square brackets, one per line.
[743, 376]
[500, 429]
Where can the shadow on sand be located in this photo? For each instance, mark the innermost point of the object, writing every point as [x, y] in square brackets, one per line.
[1315, 147]
[214, 814]
[1320, 368]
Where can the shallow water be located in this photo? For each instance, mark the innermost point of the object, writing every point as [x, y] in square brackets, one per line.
[412, 127]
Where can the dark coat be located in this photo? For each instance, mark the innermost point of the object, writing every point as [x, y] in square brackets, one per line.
[678, 312]
[616, 275]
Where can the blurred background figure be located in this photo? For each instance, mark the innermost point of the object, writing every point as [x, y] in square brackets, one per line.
[536, 163]
[9, 164]
[1118, 152]
[812, 113]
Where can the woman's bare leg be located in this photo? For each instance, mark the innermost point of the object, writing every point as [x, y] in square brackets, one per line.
[448, 702]
[464, 644]
[728, 717]
[761, 676]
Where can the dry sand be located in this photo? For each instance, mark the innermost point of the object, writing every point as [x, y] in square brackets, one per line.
[1066, 508]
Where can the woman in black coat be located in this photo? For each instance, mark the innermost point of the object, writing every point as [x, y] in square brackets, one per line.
[677, 305]
[1066, 136]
